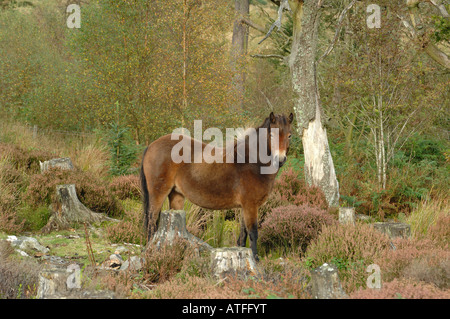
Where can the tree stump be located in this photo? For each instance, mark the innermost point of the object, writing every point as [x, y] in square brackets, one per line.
[233, 261]
[69, 211]
[347, 215]
[62, 163]
[60, 283]
[394, 230]
[172, 225]
[326, 283]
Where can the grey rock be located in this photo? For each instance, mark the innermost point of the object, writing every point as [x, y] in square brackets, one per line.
[27, 243]
[325, 283]
[394, 230]
[134, 263]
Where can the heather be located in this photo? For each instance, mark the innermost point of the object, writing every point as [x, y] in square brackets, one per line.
[90, 190]
[293, 227]
[137, 70]
[420, 260]
[290, 188]
[126, 187]
[351, 248]
[402, 289]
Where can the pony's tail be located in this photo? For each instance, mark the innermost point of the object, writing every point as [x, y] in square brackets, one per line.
[145, 197]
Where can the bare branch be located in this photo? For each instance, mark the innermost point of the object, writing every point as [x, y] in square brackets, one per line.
[284, 4]
[440, 6]
[269, 56]
[253, 25]
[437, 3]
[338, 30]
[430, 48]
[270, 106]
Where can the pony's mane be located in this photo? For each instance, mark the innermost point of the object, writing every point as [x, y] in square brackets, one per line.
[241, 135]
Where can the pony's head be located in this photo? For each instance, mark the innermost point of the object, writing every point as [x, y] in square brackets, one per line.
[280, 136]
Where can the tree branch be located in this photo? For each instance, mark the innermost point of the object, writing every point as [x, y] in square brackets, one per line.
[284, 4]
[338, 30]
[253, 25]
[268, 56]
[440, 6]
[430, 48]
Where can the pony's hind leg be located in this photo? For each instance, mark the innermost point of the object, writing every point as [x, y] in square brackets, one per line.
[176, 200]
[155, 205]
[242, 240]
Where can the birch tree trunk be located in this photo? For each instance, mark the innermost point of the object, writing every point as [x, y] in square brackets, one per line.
[319, 167]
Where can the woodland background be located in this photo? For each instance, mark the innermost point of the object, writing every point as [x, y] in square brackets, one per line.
[136, 70]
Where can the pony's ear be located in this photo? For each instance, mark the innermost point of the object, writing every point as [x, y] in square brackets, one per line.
[272, 118]
[291, 118]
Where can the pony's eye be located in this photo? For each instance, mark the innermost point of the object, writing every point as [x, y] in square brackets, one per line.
[289, 136]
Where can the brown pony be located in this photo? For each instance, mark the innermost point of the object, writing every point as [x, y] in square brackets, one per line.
[213, 185]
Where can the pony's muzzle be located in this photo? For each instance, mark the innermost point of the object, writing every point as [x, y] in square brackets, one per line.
[282, 160]
[279, 159]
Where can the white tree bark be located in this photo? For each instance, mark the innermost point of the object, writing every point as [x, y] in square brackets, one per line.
[319, 166]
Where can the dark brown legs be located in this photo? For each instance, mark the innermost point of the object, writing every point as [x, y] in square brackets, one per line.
[249, 226]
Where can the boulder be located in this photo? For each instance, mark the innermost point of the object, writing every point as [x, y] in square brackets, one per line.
[24, 243]
[134, 263]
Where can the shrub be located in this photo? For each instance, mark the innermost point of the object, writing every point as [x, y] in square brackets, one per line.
[293, 227]
[192, 287]
[27, 161]
[430, 216]
[351, 248]
[10, 181]
[165, 262]
[417, 259]
[129, 229]
[291, 189]
[123, 150]
[33, 219]
[92, 158]
[126, 186]
[402, 289]
[440, 231]
[18, 278]
[91, 191]
[9, 221]
[294, 189]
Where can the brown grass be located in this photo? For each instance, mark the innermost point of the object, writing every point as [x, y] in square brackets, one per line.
[402, 289]
[18, 278]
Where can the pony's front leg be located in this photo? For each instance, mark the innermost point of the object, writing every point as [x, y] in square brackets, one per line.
[251, 225]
